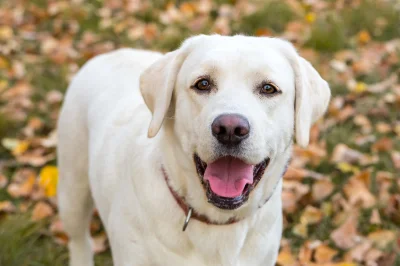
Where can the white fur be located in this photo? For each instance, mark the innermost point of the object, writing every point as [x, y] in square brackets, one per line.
[106, 155]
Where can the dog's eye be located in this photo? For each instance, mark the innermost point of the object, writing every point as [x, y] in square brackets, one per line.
[268, 89]
[203, 84]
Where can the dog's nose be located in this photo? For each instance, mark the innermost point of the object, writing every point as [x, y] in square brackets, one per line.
[230, 129]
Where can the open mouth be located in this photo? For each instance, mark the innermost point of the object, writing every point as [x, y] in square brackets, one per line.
[228, 181]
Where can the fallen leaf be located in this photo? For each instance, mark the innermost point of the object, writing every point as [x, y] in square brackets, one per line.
[311, 215]
[7, 206]
[41, 210]
[364, 37]
[358, 252]
[383, 145]
[356, 190]
[347, 168]
[301, 230]
[285, 258]
[346, 236]
[342, 153]
[375, 217]
[99, 243]
[324, 254]
[382, 238]
[310, 17]
[22, 190]
[48, 180]
[3, 181]
[322, 189]
[372, 256]
[396, 159]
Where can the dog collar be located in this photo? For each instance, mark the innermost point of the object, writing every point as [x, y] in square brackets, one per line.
[190, 213]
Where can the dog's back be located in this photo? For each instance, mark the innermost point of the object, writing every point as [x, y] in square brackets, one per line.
[106, 88]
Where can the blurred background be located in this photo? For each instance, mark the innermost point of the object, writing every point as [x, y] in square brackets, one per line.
[341, 195]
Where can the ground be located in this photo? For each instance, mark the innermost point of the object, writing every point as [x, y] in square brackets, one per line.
[341, 195]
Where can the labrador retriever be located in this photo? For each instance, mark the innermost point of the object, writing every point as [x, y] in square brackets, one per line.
[183, 153]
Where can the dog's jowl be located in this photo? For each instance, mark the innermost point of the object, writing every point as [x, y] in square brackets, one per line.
[183, 153]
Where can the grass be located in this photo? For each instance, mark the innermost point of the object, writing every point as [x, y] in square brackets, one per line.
[28, 244]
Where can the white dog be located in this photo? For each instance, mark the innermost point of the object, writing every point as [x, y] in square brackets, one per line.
[207, 153]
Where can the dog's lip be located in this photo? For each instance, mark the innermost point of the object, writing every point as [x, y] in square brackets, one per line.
[235, 202]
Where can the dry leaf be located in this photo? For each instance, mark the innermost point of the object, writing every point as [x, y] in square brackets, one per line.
[357, 191]
[324, 254]
[322, 189]
[6, 206]
[342, 153]
[383, 145]
[346, 236]
[285, 258]
[396, 159]
[375, 217]
[382, 238]
[48, 180]
[23, 189]
[3, 181]
[99, 243]
[41, 210]
[311, 215]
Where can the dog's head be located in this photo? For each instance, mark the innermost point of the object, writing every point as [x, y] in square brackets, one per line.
[236, 103]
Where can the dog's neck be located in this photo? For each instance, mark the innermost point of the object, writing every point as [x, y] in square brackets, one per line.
[188, 210]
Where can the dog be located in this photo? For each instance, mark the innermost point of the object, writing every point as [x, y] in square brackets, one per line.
[183, 154]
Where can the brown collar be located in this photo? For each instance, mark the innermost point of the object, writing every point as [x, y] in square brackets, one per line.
[189, 211]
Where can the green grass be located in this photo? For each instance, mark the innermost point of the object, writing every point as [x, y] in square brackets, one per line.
[27, 243]
[274, 15]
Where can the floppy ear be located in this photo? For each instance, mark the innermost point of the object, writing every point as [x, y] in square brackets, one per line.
[312, 99]
[312, 94]
[157, 84]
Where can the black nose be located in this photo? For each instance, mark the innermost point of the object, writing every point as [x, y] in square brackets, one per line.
[230, 129]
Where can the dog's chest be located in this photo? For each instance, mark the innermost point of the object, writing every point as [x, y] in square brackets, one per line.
[201, 245]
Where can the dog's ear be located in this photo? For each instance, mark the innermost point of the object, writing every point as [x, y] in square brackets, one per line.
[157, 83]
[312, 94]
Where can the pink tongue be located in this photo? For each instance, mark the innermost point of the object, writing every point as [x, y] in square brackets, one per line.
[228, 176]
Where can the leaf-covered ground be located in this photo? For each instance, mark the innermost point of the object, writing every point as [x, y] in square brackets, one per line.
[341, 195]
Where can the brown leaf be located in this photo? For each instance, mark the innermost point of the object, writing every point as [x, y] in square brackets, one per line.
[372, 256]
[285, 258]
[99, 243]
[324, 254]
[356, 190]
[321, 189]
[358, 252]
[295, 173]
[396, 159]
[6, 206]
[342, 153]
[383, 145]
[3, 181]
[57, 229]
[23, 189]
[363, 122]
[41, 211]
[311, 215]
[346, 235]
[383, 128]
[382, 238]
[375, 217]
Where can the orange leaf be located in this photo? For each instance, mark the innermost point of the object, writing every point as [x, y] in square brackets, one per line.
[41, 211]
[324, 254]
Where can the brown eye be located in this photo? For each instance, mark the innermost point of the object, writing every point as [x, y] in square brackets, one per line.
[203, 84]
[268, 89]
